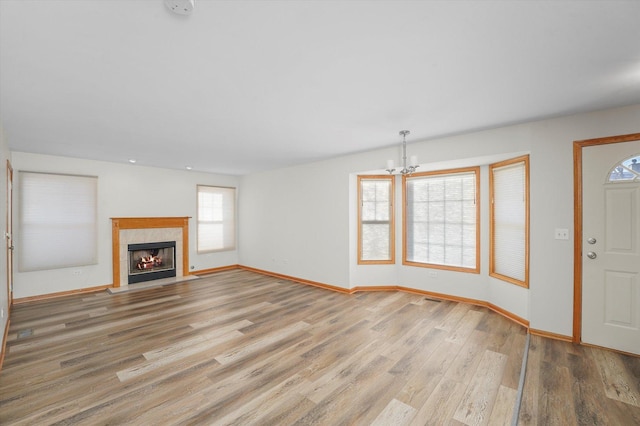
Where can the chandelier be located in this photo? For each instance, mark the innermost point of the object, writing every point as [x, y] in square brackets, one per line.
[413, 161]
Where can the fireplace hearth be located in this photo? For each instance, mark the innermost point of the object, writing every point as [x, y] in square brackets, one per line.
[151, 261]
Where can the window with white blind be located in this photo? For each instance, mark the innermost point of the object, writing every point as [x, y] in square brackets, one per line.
[441, 219]
[375, 220]
[216, 219]
[57, 221]
[509, 221]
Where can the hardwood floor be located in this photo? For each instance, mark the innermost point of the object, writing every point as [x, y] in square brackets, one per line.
[242, 348]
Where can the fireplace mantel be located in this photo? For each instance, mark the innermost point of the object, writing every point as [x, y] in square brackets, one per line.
[118, 224]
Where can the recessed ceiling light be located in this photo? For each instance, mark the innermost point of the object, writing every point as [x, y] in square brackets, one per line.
[188, 167]
[132, 161]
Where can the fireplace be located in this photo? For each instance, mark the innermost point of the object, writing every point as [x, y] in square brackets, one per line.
[151, 261]
[138, 230]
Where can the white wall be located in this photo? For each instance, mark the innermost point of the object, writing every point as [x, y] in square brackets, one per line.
[294, 221]
[123, 191]
[300, 221]
[4, 285]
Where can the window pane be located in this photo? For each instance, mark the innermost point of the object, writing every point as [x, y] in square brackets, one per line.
[627, 170]
[375, 242]
[441, 218]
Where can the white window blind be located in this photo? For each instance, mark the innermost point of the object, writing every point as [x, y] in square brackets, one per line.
[58, 221]
[216, 218]
[509, 221]
[376, 219]
[441, 219]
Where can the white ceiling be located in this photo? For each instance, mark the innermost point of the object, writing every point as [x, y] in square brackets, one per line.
[242, 86]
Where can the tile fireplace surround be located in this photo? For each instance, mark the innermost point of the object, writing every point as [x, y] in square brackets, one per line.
[134, 230]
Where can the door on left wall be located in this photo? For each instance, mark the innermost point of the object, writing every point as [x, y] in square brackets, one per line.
[9, 233]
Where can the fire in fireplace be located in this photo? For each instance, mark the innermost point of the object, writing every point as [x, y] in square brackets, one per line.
[151, 261]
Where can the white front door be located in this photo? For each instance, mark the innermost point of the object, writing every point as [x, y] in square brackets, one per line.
[611, 246]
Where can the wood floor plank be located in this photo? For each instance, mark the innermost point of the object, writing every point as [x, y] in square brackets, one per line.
[406, 340]
[556, 402]
[342, 371]
[513, 368]
[503, 407]
[420, 385]
[441, 404]
[453, 317]
[588, 397]
[465, 327]
[188, 350]
[477, 403]
[395, 413]
[417, 356]
[370, 378]
[467, 358]
[251, 412]
[177, 347]
[618, 384]
[248, 349]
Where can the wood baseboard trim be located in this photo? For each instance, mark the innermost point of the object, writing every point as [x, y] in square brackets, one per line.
[374, 288]
[4, 343]
[215, 270]
[61, 294]
[443, 296]
[550, 335]
[298, 280]
[510, 315]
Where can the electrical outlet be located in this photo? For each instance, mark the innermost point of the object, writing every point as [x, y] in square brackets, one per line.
[562, 234]
[77, 272]
[433, 274]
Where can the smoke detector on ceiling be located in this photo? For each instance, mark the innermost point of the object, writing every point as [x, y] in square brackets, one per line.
[181, 7]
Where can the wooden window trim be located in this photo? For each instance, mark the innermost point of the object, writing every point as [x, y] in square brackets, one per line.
[474, 270]
[522, 159]
[392, 226]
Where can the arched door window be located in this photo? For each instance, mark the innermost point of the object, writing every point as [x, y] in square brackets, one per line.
[626, 170]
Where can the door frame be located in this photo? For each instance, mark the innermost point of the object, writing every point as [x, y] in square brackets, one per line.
[577, 222]
[9, 228]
